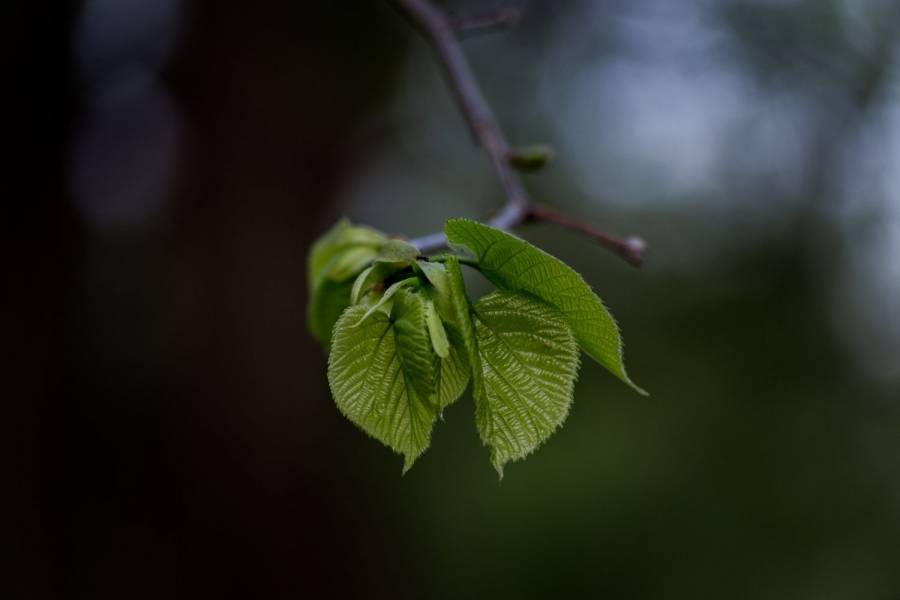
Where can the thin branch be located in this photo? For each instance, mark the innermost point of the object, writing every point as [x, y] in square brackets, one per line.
[435, 25]
[631, 248]
[438, 29]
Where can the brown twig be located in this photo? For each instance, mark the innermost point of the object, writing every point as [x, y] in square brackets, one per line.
[438, 29]
[631, 248]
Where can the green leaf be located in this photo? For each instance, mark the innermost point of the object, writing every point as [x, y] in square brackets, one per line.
[335, 258]
[435, 273]
[349, 263]
[453, 376]
[385, 298]
[372, 276]
[436, 330]
[529, 361]
[374, 387]
[363, 283]
[456, 314]
[451, 305]
[328, 301]
[513, 264]
[414, 344]
[398, 251]
[394, 256]
[338, 240]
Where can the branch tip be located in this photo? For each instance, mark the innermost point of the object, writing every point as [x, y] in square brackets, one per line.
[633, 250]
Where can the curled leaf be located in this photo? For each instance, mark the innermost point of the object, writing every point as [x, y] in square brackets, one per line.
[385, 298]
[334, 260]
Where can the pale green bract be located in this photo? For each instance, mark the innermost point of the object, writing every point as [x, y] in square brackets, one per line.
[325, 255]
[436, 330]
[334, 260]
[511, 263]
[405, 340]
[345, 253]
[529, 362]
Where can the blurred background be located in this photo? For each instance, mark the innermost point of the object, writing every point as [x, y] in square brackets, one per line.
[179, 438]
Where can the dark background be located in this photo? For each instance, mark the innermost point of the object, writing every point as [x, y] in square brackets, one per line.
[174, 431]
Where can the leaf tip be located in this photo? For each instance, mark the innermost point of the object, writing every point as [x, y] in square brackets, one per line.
[498, 463]
[408, 461]
[627, 380]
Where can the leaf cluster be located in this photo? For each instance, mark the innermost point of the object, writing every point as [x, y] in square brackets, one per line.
[405, 340]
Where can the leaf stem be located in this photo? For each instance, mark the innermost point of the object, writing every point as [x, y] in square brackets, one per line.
[463, 260]
[438, 28]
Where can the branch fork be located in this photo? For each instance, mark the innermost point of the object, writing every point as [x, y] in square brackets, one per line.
[441, 31]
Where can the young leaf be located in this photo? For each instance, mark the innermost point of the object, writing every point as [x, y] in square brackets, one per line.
[371, 276]
[328, 301]
[398, 251]
[450, 303]
[436, 330]
[394, 256]
[373, 387]
[414, 349]
[513, 264]
[348, 263]
[529, 361]
[335, 258]
[385, 298]
[436, 274]
[453, 376]
[340, 238]
[363, 283]
[456, 313]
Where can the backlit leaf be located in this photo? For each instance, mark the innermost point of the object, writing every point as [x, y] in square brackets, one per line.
[374, 388]
[529, 360]
[511, 263]
[338, 240]
[334, 260]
